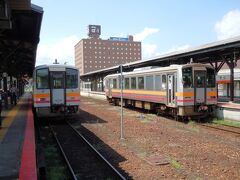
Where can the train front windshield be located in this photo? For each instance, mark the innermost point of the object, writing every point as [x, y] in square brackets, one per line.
[200, 78]
[42, 79]
[211, 81]
[71, 78]
[187, 77]
[57, 79]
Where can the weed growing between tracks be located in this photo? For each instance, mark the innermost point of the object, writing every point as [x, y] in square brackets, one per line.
[55, 166]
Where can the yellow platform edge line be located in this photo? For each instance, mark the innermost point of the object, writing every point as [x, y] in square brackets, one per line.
[8, 120]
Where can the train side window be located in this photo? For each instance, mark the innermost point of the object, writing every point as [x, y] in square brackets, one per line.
[126, 83]
[133, 82]
[71, 78]
[106, 83]
[157, 82]
[164, 82]
[115, 83]
[210, 78]
[140, 82]
[187, 77]
[111, 83]
[149, 82]
[42, 79]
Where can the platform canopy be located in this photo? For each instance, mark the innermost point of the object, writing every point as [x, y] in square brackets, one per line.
[20, 24]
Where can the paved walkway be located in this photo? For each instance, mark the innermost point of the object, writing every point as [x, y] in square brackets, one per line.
[12, 137]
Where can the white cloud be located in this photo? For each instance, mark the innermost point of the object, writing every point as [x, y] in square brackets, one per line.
[148, 49]
[145, 33]
[229, 25]
[63, 51]
[177, 48]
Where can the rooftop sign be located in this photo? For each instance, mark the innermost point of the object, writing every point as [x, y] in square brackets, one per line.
[118, 39]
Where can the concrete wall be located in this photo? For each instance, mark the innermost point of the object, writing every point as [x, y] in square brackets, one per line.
[228, 113]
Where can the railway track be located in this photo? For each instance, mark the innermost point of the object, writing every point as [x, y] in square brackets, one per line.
[226, 128]
[83, 160]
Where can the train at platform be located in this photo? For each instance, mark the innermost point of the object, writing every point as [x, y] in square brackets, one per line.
[56, 90]
[183, 91]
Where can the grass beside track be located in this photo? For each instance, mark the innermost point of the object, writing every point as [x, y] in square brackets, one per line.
[227, 122]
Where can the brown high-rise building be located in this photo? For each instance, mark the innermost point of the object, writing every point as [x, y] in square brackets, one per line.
[94, 53]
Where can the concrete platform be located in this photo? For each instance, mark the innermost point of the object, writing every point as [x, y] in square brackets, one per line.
[228, 111]
[15, 124]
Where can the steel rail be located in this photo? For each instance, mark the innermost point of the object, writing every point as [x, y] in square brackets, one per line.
[64, 155]
[99, 155]
[217, 128]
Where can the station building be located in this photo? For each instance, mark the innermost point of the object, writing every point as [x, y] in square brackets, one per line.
[94, 53]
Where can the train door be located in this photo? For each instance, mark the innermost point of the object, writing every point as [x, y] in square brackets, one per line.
[57, 79]
[171, 89]
[200, 87]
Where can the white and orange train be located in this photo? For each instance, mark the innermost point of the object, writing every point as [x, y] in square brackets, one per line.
[56, 90]
[180, 90]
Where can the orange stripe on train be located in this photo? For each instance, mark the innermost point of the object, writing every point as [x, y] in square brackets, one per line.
[41, 95]
[73, 94]
[212, 93]
[188, 94]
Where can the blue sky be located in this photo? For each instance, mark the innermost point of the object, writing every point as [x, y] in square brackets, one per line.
[162, 26]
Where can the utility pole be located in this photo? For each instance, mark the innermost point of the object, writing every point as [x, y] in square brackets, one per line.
[121, 82]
